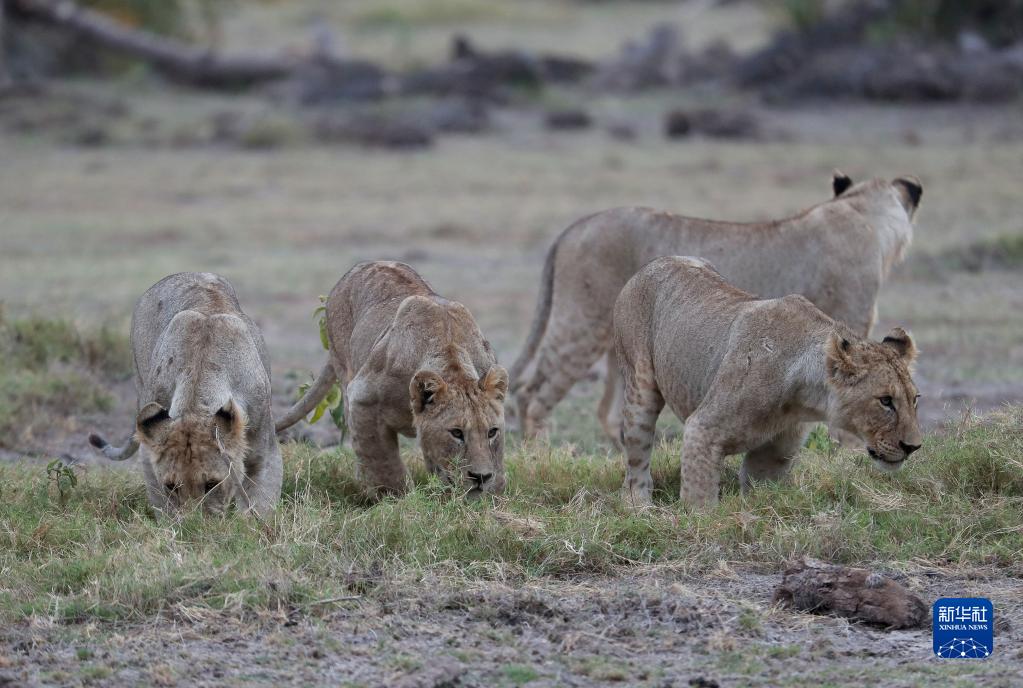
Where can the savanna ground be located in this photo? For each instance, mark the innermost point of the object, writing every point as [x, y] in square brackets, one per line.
[556, 583]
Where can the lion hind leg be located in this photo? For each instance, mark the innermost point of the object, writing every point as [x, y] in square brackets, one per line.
[565, 358]
[643, 404]
[612, 403]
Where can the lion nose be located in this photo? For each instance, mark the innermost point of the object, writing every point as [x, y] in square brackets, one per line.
[480, 478]
[908, 448]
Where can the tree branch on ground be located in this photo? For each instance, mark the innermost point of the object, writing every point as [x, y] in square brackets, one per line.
[176, 59]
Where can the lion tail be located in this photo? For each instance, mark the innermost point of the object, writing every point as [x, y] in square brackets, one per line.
[115, 453]
[313, 396]
[540, 317]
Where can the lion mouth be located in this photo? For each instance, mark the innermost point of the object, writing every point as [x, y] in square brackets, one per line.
[877, 456]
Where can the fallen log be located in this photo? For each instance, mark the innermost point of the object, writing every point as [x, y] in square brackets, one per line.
[814, 586]
[176, 59]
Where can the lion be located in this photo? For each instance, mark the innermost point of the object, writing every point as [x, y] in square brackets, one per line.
[412, 363]
[837, 254]
[202, 379]
[746, 375]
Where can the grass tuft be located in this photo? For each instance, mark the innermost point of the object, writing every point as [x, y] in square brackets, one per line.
[49, 369]
[99, 553]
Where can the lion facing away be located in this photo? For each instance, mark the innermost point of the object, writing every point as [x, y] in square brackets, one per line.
[837, 254]
[746, 375]
[412, 363]
[202, 376]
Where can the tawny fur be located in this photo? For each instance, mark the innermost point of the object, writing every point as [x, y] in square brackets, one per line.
[412, 363]
[746, 375]
[202, 376]
[837, 254]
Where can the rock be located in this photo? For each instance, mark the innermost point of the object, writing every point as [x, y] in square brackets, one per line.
[703, 682]
[867, 596]
[568, 119]
[91, 135]
[459, 116]
[373, 131]
[723, 124]
[623, 131]
[677, 124]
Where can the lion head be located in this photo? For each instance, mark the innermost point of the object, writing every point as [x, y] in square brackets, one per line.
[197, 459]
[460, 424]
[874, 395]
[906, 190]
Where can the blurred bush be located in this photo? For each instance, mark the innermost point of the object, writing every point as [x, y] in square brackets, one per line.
[999, 22]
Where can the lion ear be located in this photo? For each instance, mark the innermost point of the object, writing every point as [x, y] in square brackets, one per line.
[840, 181]
[426, 388]
[900, 340]
[838, 361]
[231, 419]
[151, 421]
[910, 190]
[495, 383]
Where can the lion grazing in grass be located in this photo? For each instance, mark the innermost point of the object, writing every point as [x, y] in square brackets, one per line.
[746, 375]
[837, 254]
[412, 363]
[202, 376]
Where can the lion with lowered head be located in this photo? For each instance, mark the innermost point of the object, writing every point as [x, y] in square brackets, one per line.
[202, 376]
[746, 375]
[837, 254]
[412, 363]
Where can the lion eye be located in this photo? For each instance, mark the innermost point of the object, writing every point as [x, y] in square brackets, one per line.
[170, 486]
[211, 485]
[457, 434]
[493, 433]
[886, 402]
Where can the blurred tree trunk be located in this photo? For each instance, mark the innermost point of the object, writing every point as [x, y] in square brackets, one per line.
[177, 60]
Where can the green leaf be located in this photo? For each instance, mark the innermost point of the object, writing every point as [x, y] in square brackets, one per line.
[324, 340]
[337, 414]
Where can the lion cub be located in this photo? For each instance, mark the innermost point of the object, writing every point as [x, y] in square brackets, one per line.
[412, 363]
[746, 374]
[202, 376]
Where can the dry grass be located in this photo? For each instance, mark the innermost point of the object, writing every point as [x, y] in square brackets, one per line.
[98, 553]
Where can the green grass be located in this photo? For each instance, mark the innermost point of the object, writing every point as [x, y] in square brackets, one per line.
[102, 555]
[1003, 252]
[51, 370]
[519, 674]
[403, 13]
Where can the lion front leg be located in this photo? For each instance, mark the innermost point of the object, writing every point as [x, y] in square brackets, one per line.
[262, 489]
[773, 459]
[702, 455]
[378, 460]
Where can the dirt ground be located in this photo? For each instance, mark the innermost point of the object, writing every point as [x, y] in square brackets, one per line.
[656, 628]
